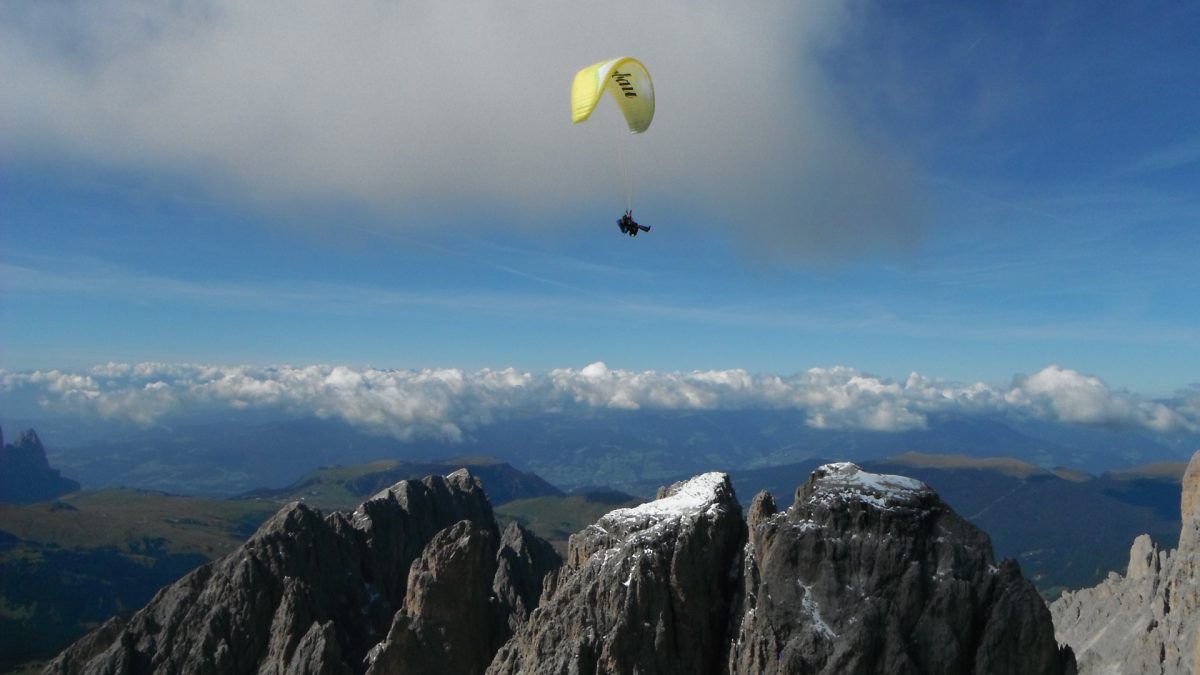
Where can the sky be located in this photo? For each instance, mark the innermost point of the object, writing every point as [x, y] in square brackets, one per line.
[975, 195]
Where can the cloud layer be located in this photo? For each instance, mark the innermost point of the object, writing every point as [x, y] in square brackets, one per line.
[443, 105]
[448, 404]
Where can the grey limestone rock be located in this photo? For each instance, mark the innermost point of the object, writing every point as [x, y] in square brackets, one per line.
[466, 595]
[316, 594]
[436, 630]
[1144, 622]
[644, 590]
[522, 563]
[871, 573]
[863, 574]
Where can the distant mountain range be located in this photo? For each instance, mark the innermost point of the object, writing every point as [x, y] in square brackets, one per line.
[617, 448]
[342, 487]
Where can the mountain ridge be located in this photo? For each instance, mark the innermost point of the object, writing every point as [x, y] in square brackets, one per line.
[418, 578]
[344, 486]
[607, 447]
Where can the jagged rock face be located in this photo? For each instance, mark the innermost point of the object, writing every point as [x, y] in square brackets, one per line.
[523, 562]
[25, 475]
[1189, 537]
[865, 574]
[869, 573]
[313, 594]
[1146, 621]
[435, 632]
[465, 599]
[645, 589]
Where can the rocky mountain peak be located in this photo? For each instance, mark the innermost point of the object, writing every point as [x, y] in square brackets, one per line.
[645, 589]
[865, 573]
[25, 473]
[681, 503]
[842, 482]
[28, 442]
[762, 507]
[337, 593]
[26, 454]
[873, 573]
[1190, 506]
[1147, 620]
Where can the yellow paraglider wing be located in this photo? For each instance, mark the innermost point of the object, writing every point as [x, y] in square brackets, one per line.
[627, 80]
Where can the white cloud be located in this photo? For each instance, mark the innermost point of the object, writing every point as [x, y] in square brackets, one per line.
[1069, 396]
[438, 104]
[449, 403]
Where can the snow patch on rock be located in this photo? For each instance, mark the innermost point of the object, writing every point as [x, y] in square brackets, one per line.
[814, 612]
[687, 498]
[845, 480]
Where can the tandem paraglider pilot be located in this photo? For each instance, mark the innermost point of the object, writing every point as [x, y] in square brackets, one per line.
[629, 226]
[628, 82]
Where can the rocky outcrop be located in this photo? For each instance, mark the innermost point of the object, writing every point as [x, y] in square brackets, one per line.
[434, 632]
[523, 562]
[1147, 620]
[865, 573]
[465, 598]
[330, 594]
[25, 474]
[870, 573]
[646, 589]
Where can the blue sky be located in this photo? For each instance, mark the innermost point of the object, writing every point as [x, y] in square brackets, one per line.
[969, 191]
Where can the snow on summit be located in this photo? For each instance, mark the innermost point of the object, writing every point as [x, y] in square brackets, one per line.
[846, 480]
[686, 498]
[634, 536]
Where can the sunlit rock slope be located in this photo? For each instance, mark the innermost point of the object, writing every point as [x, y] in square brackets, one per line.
[1144, 622]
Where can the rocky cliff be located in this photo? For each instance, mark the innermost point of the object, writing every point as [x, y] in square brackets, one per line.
[870, 573]
[866, 573]
[1144, 622]
[645, 589]
[419, 572]
[25, 475]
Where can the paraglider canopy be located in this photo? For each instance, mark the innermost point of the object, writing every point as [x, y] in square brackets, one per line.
[627, 80]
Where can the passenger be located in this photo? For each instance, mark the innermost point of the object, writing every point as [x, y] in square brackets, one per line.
[629, 226]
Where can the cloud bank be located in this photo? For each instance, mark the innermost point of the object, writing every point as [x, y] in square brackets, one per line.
[448, 404]
[443, 105]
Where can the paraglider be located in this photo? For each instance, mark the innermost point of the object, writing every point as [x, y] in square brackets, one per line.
[628, 82]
